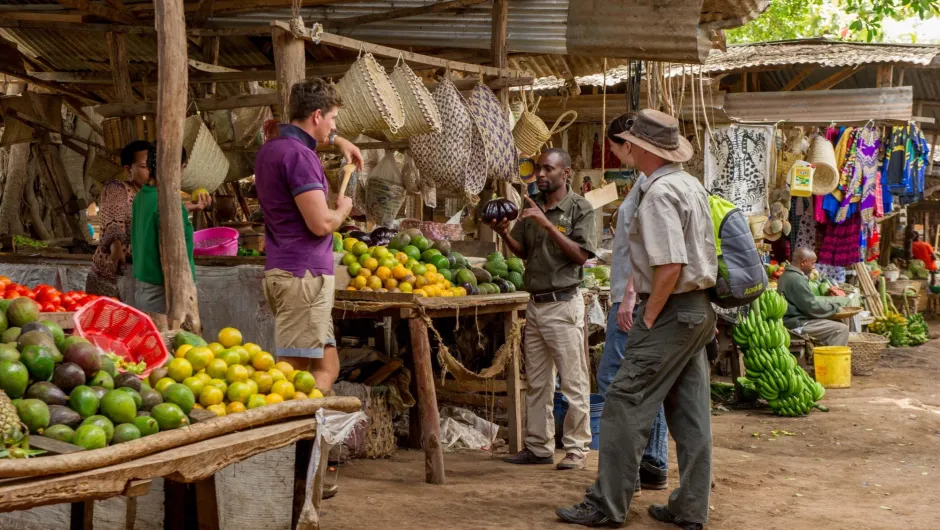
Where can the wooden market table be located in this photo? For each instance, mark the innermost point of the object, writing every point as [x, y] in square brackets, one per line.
[207, 447]
[419, 311]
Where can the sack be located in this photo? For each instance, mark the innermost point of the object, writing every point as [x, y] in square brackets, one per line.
[741, 275]
[384, 192]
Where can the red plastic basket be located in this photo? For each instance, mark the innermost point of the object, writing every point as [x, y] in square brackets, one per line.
[119, 328]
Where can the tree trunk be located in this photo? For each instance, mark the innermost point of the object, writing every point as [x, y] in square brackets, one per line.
[35, 210]
[182, 308]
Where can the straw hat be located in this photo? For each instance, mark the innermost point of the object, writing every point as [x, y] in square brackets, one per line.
[823, 156]
[658, 133]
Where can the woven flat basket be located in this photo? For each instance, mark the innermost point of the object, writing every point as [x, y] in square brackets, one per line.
[207, 166]
[421, 115]
[103, 169]
[866, 352]
[493, 123]
[823, 156]
[370, 101]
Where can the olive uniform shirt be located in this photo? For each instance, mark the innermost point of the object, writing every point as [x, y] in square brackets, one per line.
[673, 225]
[547, 267]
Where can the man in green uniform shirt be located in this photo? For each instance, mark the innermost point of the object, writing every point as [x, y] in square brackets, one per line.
[806, 313]
[556, 235]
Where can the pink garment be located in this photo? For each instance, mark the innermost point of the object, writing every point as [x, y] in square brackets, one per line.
[818, 213]
[879, 199]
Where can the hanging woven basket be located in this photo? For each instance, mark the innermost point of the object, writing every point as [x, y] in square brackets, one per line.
[823, 156]
[491, 120]
[206, 166]
[531, 133]
[421, 115]
[370, 102]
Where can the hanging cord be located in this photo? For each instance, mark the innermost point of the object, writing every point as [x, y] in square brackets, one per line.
[297, 28]
[604, 123]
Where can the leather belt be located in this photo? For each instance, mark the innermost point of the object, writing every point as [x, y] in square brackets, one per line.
[561, 295]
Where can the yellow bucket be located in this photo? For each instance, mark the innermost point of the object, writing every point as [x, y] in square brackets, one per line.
[833, 366]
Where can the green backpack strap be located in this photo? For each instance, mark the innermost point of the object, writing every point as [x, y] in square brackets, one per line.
[719, 208]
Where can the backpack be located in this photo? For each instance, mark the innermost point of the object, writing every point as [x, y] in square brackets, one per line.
[741, 275]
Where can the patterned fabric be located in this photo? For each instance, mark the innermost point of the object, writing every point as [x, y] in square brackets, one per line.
[840, 243]
[806, 234]
[907, 156]
[850, 181]
[833, 272]
[867, 160]
[114, 214]
[737, 166]
[497, 136]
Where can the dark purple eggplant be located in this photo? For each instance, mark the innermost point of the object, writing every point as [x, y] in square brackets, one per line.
[348, 228]
[361, 236]
[499, 209]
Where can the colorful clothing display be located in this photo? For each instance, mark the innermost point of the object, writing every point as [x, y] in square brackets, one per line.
[840, 243]
[907, 156]
[737, 165]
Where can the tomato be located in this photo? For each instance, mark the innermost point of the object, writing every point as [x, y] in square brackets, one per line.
[44, 296]
[55, 300]
[22, 289]
[70, 306]
[85, 300]
[10, 295]
[60, 310]
[5, 280]
[31, 295]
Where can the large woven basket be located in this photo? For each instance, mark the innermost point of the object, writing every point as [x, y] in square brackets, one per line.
[866, 351]
[421, 115]
[493, 123]
[101, 168]
[206, 166]
[370, 102]
[455, 157]
[823, 156]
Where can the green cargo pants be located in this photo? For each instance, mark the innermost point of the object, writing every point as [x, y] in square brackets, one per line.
[665, 365]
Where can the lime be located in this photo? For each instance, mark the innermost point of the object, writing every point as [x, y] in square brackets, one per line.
[256, 400]
[162, 384]
[264, 381]
[199, 357]
[252, 385]
[419, 269]
[196, 384]
[277, 375]
[236, 374]
[421, 243]
[244, 356]
[211, 396]
[412, 252]
[284, 388]
[231, 357]
[348, 259]
[179, 395]
[216, 368]
[90, 437]
[169, 416]
[360, 248]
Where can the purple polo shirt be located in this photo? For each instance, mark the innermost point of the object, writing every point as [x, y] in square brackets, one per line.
[285, 167]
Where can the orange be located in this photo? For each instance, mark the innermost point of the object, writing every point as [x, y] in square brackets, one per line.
[196, 384]
[391, 283]
[277, 375]
[359, 282]
[181, 351]
[284, 367]
[419, 292]
[359, 248]
[216, 368]
[421, 282]
[461, 291]
[284, 388]
[315, 393]
[405, 287]
[271, 399]
[256, 401]
[348, 244]
[362, 259]
[383, 273]
[364, 272]
[252, 385]
[410, 278]
[243, 356]
[399, 272]
[163, 384]
[380, 252]
[300, 395]
[218, 410]
[235, 406]
[264, 381]
[218, 383]
[262, 361]
[229, 337]
[430, 267]
[199, 357]
[236, 374]
[374, 283]
[348, 259]
[401, 257]
[304, 381]
[371, 263]
[179, 369]
[420, 269]
[351, 288]
[231, 357]
[216, 348]
[251, 348]
[210, 396]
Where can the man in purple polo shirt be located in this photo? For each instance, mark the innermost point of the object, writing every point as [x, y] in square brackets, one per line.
[299, 225]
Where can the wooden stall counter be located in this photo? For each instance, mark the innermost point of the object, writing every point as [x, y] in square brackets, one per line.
[419, 312]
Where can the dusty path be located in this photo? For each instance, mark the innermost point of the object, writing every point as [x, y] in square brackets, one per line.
[871, 463]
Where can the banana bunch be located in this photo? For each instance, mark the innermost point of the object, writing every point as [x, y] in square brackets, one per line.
[771, 370]
[917, 329]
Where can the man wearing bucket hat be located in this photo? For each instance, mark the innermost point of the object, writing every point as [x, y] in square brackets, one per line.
[672, 249]
[555, 234]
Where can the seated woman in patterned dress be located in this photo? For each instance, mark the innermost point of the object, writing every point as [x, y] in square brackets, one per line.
[114, 206]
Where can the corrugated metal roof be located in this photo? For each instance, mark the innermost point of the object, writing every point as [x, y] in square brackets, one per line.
[721, 14]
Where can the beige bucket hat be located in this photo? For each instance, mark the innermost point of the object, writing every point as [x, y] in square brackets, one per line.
[658, 133]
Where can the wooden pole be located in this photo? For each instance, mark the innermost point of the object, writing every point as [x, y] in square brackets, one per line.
[182, 308]
[117, 54]
[289, 66]
[514, 391]
[427, 402]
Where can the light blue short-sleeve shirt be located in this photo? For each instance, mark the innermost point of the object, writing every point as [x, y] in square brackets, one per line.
[621, 267]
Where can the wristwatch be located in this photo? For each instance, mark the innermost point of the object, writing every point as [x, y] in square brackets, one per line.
[333, 135]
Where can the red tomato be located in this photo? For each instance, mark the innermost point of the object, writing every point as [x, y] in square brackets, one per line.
[10, 295]
[85, 299]
[60, 310]
[70, 306]
[48, 308]
[44, 296]
[31, 295]
[55, 300]
[22, 289]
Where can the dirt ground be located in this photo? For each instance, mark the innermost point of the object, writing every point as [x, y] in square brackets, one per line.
[870, 463]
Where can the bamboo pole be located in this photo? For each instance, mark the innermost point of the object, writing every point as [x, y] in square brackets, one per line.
[182, 308]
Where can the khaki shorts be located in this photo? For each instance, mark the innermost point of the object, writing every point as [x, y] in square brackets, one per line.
[303, 313]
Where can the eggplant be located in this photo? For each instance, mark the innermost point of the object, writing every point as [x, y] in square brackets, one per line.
[361, 236]
[498, 210]
[348, 228]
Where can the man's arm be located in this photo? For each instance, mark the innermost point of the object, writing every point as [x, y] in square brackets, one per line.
[515, 246]
[571, 248]
[625, 313]
[665, 278]
[318, 216]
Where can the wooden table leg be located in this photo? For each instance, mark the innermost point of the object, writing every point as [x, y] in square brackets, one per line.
[302, 453]
[514, 389]
[207, 507]
[737, 362]
[174, 497]
[427, 402]
[83, 516]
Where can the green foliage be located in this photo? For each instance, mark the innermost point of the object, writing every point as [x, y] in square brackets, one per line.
[796, 19]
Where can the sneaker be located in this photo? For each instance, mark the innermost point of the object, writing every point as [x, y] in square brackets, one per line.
[585, 515]
[527, 457]
[661, 513]
[571, 461]
[652, 480]
[330, 491]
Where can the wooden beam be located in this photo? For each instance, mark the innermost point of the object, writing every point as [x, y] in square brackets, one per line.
[101, 11]
[210, 53]
[203, 13]
[67, 18]
[351, 22]
[410, 57]
[117, 55]
[498, 35]
[885, 76]
[834, 79]
[12, 114]
[289, 61]
[239, 6]
[182, 308]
